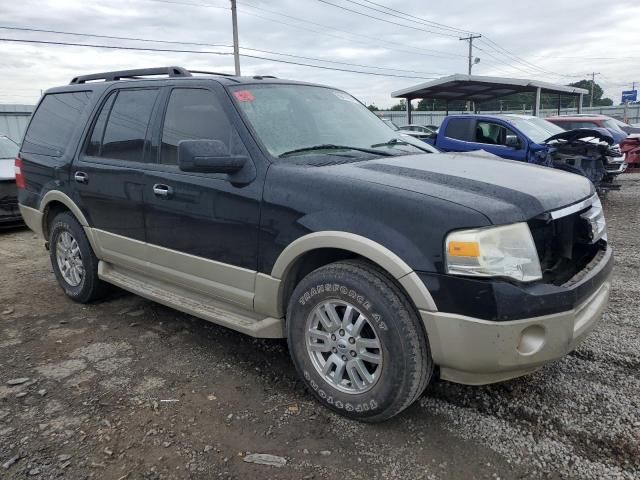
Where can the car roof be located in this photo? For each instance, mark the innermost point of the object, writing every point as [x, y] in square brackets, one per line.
[497, 116]
[575, 118]
[221, 78]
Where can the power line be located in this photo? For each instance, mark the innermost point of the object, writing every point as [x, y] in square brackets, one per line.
[208, 52]
[368, 37]
[441, 25]
[421, 51]
[387, 21]
[175, 42]
[414, 19]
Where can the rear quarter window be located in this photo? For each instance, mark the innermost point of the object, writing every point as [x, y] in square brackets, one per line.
[54, 122]
[460, 129]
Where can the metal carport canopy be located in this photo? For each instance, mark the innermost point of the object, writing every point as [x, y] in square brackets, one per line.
[480, 88]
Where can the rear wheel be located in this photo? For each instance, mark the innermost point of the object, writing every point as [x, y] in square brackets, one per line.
[74, 263]
[357, 341]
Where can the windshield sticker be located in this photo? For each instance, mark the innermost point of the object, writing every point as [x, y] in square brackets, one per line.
[244, 96]
[344, 96]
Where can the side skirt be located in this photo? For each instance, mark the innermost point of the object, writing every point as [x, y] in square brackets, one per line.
[191, 302]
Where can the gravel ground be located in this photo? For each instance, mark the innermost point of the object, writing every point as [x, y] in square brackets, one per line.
[128, 389]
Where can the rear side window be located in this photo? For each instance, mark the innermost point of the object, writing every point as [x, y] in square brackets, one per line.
[54, 122]
[460, 129]
[125, 122]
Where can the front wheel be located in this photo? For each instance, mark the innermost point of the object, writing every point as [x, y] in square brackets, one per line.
[357, 341]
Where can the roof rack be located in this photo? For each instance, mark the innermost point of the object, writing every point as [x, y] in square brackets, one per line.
[137, 73]
[213, 73]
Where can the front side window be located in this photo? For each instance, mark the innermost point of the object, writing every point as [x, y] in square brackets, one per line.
[125, 131]
[492, 133]
[54, 122]
[302, 119]
[194, 114]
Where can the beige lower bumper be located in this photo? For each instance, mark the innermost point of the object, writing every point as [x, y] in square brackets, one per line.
[477, 352]
[32, 218]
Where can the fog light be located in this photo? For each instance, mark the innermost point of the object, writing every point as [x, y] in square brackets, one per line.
[532, 339]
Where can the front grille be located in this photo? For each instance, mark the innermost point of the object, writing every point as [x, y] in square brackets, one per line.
[567, 244]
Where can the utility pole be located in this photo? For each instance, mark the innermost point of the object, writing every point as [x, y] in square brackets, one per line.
[470, 40]
[236, 46]
[593, 82]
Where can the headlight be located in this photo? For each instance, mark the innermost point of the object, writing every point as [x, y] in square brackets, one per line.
[506, 251]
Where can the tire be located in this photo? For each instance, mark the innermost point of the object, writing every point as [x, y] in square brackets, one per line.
[67, 238]
[396, 373]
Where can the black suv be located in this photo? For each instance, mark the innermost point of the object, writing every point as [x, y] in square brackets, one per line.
[285, 209]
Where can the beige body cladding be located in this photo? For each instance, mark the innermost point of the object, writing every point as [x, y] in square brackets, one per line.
[468, 350]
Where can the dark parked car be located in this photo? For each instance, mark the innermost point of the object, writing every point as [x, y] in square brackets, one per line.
[9, 212]
[286, 209]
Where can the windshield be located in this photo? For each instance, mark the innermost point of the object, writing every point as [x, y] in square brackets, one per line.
[294, 120]
[537, 129]
[8, 149]
[613, 125]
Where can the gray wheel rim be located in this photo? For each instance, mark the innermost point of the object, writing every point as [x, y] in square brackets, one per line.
[69, 259]
[343, 346]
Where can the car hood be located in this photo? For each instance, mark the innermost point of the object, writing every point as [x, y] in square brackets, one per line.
[601, 134]
[504, 191]
[7, 171]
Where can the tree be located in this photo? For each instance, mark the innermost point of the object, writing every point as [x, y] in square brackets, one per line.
[373, 107]
[399, 106]
[597, 93]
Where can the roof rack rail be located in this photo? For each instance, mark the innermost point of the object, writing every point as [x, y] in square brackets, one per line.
[132, 74]
[213, 73]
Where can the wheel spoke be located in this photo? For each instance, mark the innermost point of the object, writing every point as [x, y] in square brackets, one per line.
[356, 383]
[370, 357]
[346, 317]
[333, 316]
[363, 373]
[319, 341]
[331, 361]
[364, 343]
[357, 326]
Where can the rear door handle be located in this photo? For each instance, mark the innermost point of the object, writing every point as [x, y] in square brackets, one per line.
[81, 177]
[160, 190]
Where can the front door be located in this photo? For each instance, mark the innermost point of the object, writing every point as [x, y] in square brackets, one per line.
[202, 229]
[108, 174]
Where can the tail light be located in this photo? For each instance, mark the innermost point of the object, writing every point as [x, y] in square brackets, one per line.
[20, 183]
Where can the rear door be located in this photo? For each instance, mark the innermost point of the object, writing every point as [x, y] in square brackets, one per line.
[108, 174]
[202, 229]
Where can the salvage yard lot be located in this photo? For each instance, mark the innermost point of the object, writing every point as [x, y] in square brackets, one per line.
[126, 388]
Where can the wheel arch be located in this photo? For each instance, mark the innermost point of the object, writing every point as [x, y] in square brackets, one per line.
[55, 201]
[330, 246]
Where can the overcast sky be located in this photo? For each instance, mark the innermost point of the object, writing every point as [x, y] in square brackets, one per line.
[544, 40]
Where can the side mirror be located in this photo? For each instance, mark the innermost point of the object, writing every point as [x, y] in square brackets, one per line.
[208, 156]
[512, 141]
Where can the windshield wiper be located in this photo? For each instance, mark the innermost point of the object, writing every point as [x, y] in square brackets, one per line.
[393, 141]
[330, 146]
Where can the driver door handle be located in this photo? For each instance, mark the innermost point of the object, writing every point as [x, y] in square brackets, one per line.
[161, 190]
[81, 177]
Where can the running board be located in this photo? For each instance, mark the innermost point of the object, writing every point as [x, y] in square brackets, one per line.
[188, 301]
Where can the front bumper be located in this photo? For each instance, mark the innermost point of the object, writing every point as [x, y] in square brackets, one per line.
[477, 352]
[508, 344]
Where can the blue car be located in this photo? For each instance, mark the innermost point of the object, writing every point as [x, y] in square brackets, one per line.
[588, 152]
